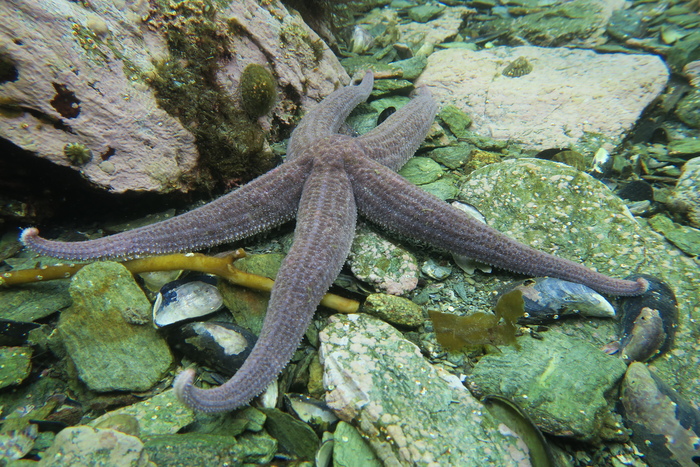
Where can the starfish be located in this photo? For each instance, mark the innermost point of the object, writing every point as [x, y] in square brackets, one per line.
[326, 180]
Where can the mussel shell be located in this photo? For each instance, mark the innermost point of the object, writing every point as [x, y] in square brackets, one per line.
[311, 411]
[648, 322]
[185, 299]
[218, 345]
[547, 299]
[665, 427]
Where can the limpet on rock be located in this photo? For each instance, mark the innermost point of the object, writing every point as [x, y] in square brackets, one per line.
[518, 67]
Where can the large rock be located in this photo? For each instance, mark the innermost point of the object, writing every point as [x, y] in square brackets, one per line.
[108, 334]
[568, 93]
[76, 84]
[560, 210]
[410, 412]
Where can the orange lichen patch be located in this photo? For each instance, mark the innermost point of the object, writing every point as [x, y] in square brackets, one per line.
[455, 332]
[220, 266]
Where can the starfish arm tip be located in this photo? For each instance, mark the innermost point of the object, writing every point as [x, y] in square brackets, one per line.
[27, 236]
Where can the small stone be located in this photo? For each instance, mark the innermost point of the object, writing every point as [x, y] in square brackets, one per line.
[162, 414]
[686, 195]
[394, 310]
[453, 157]
[688, 109]
[351, 449]
[16, 365]
[445, 188]
[294, 436]
[382, 263]
[83, 445]
[436, 270]
[687, 239]
[456, 120]
[381, 383]
[425, 12]
[411, 68]
[421, 170]
[205, 449]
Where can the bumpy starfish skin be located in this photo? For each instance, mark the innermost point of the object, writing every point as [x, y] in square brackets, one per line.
[326, 180]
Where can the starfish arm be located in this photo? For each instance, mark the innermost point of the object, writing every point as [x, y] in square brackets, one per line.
[328, 115]
[267, 201]
[387, 199]
[394, 141]
[322, 239]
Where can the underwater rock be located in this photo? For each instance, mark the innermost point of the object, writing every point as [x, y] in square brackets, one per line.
[350, 448]
[648, 321]
[83, 445]
[381, 383]
[421, 170]
[552, 105]
[205, 449]
[664, 426]
[548, 298]
[161, 414]
[423, 37]
[186, 299]
[552, 366]
[107, 331]
[293, 436]
[685, 197]
[16, 365]
[78, 71]
[219, 345]
[394, 310]
[561, 210]
[687, 239]
[384, 264]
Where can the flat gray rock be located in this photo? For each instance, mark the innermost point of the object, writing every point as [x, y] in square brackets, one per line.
[568, 93]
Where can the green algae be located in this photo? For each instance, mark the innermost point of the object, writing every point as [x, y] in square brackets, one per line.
[258, 90]
[229, 144]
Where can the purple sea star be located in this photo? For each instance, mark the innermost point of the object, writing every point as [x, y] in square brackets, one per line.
[326, 179]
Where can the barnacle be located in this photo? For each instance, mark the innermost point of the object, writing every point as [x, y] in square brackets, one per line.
[77, 153]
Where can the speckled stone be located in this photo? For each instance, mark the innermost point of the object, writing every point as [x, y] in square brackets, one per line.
[83, 445]
[421, 170]
[387, 266]
[104, 331]
[410, 412]
[560, 210]
[544, 377]
[394, 310]
[686, 195]
[161, 414]
[16, 364]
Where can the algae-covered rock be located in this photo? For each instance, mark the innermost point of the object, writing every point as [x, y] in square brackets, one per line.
[409, 411]
[557, 209]
[16, 364]
[162, 414]
[294, 436]
[110, 352]
[394, 310]
[83, 445]
[350, 449]
[686, 195]
[421, 170]
[382, 263]
[544, 377]
[687, 239]
[202, 449]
